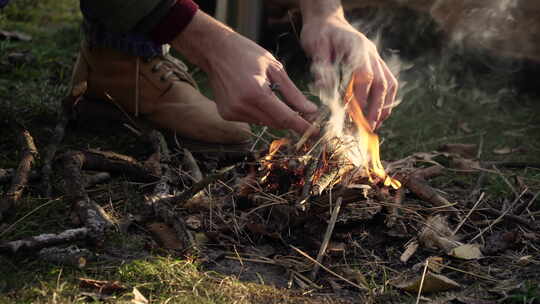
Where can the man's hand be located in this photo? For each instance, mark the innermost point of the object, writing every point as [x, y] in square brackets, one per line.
[329, 39]
[241, 74]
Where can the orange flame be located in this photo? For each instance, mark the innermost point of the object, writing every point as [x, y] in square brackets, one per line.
[356, 114]
[272, 150]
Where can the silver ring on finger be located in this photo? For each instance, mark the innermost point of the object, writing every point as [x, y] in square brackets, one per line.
[274, 86]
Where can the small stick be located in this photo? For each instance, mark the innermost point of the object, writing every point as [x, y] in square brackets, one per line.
[393, 209]
[90, 214]
[498, 219]
[312, 166]
[422, 282]
[20, 179]
[327, 237]
[191, 163]
[326, 268]
[425, 192]
[511, 165]
[44, 240]
[529, 224]
[506, 181]
[469, 214]
[197, 187]
[520, 208]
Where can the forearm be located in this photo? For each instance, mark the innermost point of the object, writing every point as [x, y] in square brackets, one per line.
[320, 9]
[201, 39]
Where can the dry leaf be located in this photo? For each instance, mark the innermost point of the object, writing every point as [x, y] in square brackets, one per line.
[465, 150]
[336, 247]
[409, 251]
[435, 264]
[467, 252]
[437, 234]
[138, 297]
[166, 236]
[356, 276]
[525, 260]
[199, 201]
[503, 151]
[432, 283]
[465, 164]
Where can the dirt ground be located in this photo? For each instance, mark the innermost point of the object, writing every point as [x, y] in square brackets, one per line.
[473, 117]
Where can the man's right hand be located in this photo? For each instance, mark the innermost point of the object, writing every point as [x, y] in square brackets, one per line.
[241, 74]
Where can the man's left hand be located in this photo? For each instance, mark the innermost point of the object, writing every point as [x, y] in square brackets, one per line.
[332, 41]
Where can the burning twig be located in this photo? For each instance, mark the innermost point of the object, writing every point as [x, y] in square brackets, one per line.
[327, 237]
[20, 179]
[393, 209]
[312, 166]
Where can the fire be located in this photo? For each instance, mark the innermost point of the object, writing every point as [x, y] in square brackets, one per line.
[367, 151]
[348, 150]
[267, 161]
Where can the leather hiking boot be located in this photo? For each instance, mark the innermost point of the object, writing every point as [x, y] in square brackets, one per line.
[159, 89]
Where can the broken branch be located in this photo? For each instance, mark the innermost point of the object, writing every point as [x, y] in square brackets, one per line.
[20, 179]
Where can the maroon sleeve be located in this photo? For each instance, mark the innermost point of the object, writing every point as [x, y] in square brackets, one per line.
[174, 22]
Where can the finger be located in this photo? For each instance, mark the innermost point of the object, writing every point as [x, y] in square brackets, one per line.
[363, 80]
[390, 95]
[291, 94]
[377, 95]
[246, 112]
[281, 116]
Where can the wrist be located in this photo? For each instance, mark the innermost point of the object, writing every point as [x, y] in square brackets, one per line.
[317, 10]
[200, 39]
